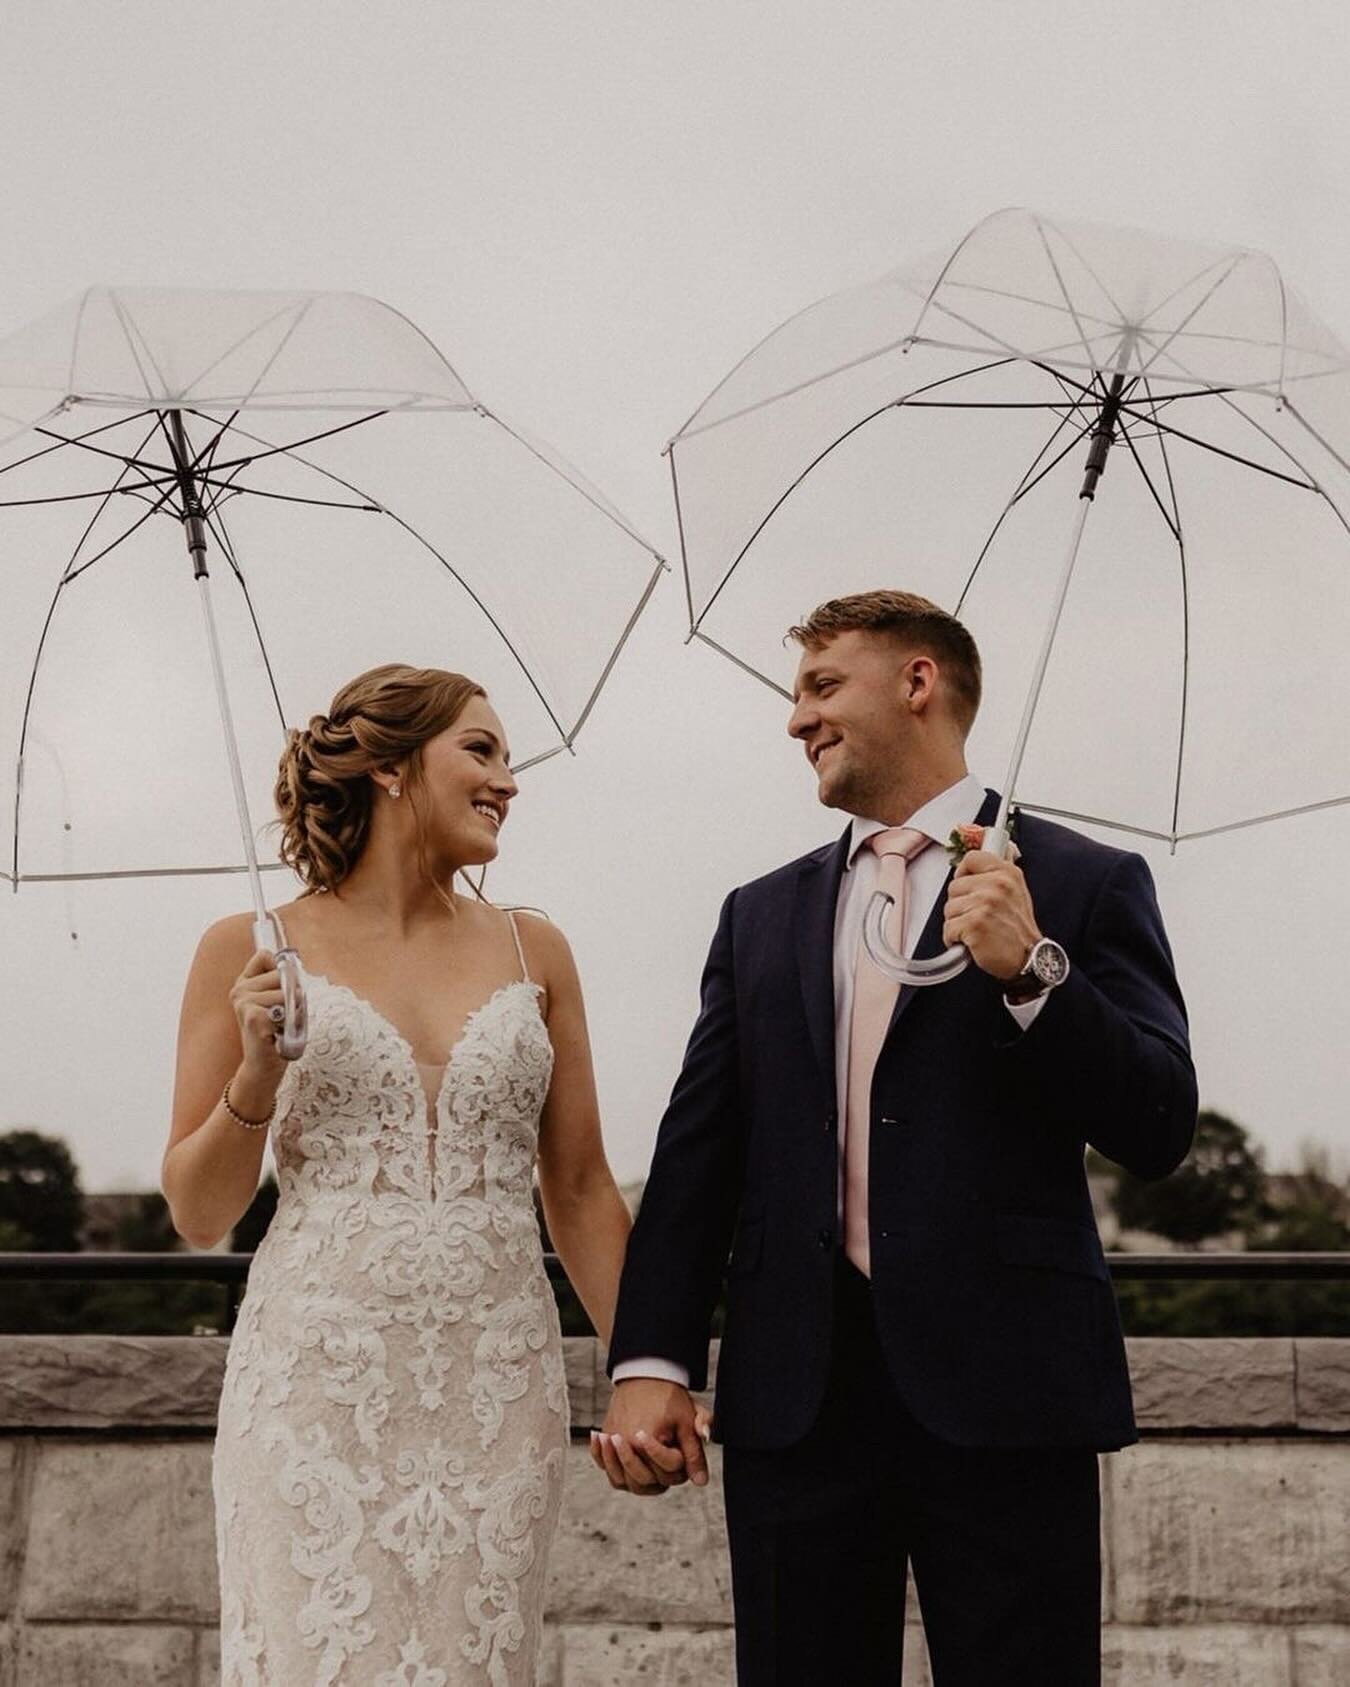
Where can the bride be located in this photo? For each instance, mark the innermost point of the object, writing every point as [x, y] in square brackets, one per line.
[389, 1455]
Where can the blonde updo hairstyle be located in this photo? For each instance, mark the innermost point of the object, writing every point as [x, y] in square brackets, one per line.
[324, 791]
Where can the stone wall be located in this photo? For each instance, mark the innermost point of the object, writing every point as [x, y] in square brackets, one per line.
[1226, 1533]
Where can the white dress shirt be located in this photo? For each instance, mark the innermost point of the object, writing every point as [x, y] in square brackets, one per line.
[924, 877]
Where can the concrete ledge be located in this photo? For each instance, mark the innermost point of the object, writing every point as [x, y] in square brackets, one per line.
[1215, 1383]
[110, 1382]
[1322, 1366]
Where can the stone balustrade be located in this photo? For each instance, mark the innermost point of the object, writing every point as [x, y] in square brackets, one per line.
[1226, 1532]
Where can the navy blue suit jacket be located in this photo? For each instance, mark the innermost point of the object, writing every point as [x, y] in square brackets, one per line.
[994, 1305]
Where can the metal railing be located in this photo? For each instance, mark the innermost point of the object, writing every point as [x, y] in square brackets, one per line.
[231, 1270]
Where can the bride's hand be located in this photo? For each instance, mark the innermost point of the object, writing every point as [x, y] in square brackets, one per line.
[257, 1000]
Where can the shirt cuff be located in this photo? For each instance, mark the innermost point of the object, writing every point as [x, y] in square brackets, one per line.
[662, 1370]
[1025, 1012]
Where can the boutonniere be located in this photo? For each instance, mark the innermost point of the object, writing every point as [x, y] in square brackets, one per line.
[963, 839]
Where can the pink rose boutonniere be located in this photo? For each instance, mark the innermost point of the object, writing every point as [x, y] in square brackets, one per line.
[964, 839]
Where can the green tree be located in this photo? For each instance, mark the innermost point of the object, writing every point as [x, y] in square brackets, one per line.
[1219, 1188]
[40, 1195]
[1313, 1212]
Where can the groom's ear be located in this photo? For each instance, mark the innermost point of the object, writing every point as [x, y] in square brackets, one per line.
[918, 683]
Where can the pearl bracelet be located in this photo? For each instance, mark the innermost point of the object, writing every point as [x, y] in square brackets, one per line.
[248, 1124]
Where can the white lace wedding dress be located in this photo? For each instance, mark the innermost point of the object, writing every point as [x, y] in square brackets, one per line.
[389, 1457]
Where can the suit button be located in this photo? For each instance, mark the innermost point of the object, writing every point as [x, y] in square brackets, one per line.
[826, 1238]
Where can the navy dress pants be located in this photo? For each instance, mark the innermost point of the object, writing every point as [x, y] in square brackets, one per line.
[1003, 1543]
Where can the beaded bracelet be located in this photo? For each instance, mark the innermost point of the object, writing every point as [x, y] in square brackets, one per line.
[248, 1124]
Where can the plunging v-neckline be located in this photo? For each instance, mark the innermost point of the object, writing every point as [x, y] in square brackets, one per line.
[465, 1029]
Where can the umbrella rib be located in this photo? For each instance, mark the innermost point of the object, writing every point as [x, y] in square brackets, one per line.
[294, 446]
[891, 404]
[577, 486]
[590, 702]
[1127, 409]
[1059, 280]
[1029, 479]
[216, 526]
[1195, 309]
[1174, 523]
[1091, 269]
[61, 440]
[1055, 461]
[426, 544]
[27, 710]
[744, 666]
[64, 580]
[1185, 626]
[257, 328]
[1148, 481]
[684, 548]
[74, 574]
[107, 499]
[1309, 483]
[288, 497]
[127, 322]
[135, 873]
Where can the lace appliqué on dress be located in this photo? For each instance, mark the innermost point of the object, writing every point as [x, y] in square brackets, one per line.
[394, 1413]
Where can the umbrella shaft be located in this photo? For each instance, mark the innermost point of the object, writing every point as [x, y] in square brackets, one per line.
[1103, 436]
[1043, 661]
[194, 516]
[231, 747]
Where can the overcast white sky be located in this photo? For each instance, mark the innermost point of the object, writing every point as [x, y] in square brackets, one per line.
[594, 209]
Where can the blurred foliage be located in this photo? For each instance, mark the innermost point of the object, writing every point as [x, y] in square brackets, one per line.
[1223, 1191]
[1219, 1188]
[40, 1194]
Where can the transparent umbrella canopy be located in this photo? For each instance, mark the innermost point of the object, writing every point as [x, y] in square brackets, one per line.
[1170, 665]
[316, 458]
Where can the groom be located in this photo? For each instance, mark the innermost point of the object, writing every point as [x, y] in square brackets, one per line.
[922, 1356]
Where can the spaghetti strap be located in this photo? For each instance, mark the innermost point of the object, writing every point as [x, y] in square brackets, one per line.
[520, 951]
[281, 930]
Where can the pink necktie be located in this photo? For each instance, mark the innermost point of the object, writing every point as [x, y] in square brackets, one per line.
[873, 1002]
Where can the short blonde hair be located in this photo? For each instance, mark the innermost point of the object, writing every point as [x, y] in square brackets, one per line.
[912, 619]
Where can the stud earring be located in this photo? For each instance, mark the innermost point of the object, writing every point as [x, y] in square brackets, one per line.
[396, 790]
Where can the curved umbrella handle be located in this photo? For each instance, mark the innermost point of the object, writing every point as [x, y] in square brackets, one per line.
[294, 1032]
[936, 969]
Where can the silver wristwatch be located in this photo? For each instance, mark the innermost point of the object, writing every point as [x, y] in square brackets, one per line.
[1046, 966]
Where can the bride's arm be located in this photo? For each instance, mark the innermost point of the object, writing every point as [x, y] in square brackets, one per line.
[212, 1162]
[587, 1219]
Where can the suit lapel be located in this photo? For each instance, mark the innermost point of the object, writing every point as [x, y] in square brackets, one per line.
[930, 938]
[817, 898]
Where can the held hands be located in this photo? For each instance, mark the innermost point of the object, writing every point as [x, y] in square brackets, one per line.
[653, 1438]
[989, 910]
[256, 998]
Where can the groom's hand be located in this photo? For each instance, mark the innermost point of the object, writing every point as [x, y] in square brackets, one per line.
[989, 910]
[652, 1439]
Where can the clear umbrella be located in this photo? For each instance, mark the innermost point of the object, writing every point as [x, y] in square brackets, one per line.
[317, 456]
[947, 427]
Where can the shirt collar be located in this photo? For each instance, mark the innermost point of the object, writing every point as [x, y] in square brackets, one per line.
[956, 806]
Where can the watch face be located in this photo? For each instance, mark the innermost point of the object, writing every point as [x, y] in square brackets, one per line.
[1049, 962]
